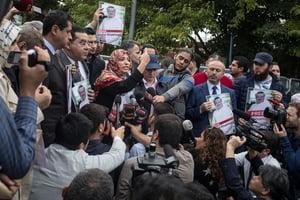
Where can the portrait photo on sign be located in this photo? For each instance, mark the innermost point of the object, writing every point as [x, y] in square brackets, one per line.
[111, 25]
[80, 93]
[221, 114]
[257, 102]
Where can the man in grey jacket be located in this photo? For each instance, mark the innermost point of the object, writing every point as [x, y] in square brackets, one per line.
[167, 131]
[179, 82]
[66, 157]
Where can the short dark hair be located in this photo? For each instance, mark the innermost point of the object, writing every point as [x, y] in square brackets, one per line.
[162, 108]
[169, 127]
[271, 139]
[90, 31]
[73, 129]
[276, 179]
[76, 29]
[161, 187]
[197, 59]
[150, 46]
[93, 184]
[187, 50]
[128, 45]
[96, 113]
[242, 62]
[56, 17]
[166, 61]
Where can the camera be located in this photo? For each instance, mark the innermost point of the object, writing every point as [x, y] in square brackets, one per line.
[278, 116]
[15, 56]
[253, 141]
[249, 132]
[151, 164]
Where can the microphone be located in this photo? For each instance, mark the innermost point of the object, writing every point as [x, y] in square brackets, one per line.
[171, 159]
[148, 98]
[112, 117]
[133, 101]
[151, 91]
[118, 101]
[140, 116]
[140, 98]
[244, 115]
[188, 129]
[128, 114]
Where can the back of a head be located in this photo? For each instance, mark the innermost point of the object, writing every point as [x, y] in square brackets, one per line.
[128, 45]
[96, 113]
[38, 25]
[31, 36]
[72, 130]
[276, 179]
[163, 108]
[170, 129]
[197, 59]
[166, 62]
[56, 17]
[271, 140]
[93, 184]
[160, 187]
[198, 191]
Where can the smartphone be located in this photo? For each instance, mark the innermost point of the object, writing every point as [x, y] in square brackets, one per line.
[14, 57]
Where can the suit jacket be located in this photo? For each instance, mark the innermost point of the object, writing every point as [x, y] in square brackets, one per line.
[95, 65]
[56, 82]
[66, 61]
[197, 97]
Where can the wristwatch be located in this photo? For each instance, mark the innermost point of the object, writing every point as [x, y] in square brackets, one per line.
[47, 64]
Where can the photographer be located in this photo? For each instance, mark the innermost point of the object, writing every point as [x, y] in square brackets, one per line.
[167, 130]
[243, 159]
[290, 145]
[271, 183]
[18, 135]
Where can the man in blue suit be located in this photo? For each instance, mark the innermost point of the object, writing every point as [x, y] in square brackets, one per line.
[197, 106]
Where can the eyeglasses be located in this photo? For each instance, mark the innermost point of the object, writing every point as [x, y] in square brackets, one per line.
[186, 61]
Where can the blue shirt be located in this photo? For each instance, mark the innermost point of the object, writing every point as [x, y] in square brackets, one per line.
[17, 137]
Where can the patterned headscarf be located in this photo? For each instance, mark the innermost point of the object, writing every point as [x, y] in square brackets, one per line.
[112, 72]
[8, 34]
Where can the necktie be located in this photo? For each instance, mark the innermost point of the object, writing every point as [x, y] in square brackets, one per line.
[214, 90]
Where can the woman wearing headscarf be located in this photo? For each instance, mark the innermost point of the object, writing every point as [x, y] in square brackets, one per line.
[115, 79]
[210, 149]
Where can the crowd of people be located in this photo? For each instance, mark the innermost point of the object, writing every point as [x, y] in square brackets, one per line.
[75, 127]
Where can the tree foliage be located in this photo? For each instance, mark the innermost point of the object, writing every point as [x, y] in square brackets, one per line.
[256, 25]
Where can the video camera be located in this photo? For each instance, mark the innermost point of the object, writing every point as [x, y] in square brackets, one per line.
[277, 116]
[151, 164]
[248, 131]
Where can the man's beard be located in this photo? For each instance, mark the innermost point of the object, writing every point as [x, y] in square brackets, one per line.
[261, 77]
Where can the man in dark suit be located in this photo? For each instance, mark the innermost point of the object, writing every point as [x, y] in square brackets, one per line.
[56, 34]
[198, 106]
[75, 53]
[95, 63]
